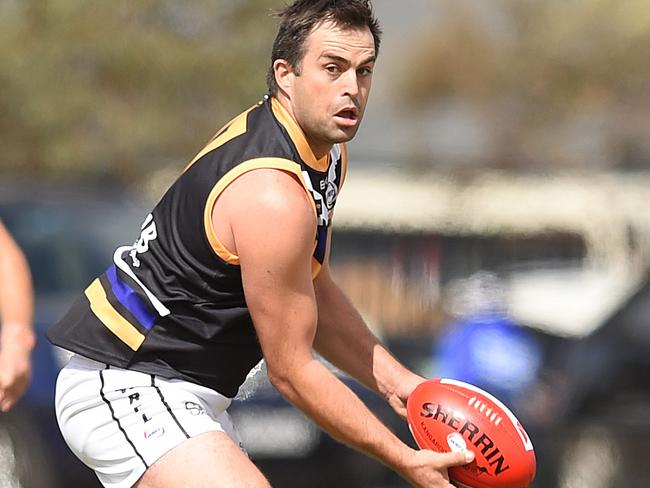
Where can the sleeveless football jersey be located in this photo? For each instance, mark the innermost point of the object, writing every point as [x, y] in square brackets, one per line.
[172, 303]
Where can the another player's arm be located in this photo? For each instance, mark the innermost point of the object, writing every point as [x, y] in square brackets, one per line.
[344, 339]
[16, 333]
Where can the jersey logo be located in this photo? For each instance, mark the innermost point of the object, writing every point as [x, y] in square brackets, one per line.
[148, 234]
[330, 195]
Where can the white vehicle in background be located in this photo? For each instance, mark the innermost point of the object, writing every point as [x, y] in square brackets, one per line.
[572, 253]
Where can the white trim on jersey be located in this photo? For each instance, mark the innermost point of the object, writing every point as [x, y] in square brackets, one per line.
[120, 263]
[324, 215]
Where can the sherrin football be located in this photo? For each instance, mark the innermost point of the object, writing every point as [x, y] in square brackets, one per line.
[448, 415]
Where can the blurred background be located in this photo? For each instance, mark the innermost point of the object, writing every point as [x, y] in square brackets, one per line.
[494, 225]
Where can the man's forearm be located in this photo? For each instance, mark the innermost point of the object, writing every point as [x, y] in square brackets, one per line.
[16, 294]
[344, 339]
[17, 338]
[336, 409]
[16, 308]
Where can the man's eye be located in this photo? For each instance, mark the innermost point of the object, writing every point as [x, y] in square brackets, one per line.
[365, 71]
[332, 68]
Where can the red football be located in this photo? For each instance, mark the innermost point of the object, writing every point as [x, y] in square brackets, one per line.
[448, 415]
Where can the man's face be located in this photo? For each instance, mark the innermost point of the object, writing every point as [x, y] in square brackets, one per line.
[330, 93]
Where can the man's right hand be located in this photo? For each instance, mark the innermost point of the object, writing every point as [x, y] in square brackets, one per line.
[428, 469]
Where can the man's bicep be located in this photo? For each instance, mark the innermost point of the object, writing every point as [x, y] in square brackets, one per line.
[274, 230]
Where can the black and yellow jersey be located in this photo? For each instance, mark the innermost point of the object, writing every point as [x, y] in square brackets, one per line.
[172, 303]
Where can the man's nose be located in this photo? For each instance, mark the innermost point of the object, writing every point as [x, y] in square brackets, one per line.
[351, 83]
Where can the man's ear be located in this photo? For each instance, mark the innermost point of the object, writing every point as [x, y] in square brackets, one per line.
[284, 75]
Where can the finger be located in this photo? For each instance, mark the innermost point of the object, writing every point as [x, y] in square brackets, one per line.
[9, 400]
[398, 406]
[448, 459]
[5, 404]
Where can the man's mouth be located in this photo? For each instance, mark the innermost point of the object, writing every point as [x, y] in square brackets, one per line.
[347, 116]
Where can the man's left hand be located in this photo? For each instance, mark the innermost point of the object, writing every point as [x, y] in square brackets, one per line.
[399, 397]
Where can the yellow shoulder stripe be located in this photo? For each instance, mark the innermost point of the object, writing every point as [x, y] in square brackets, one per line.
[236, 127]
[227, 179]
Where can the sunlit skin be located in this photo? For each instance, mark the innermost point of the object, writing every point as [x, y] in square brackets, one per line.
[327, 94]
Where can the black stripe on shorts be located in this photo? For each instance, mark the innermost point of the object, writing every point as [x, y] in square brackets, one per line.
[101, 392]
[162, 398]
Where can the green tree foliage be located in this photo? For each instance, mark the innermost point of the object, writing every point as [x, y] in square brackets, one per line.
[94, 88]
[561, 82]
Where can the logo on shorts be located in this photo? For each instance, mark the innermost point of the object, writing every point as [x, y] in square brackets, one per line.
[194, 408]
[153, 432]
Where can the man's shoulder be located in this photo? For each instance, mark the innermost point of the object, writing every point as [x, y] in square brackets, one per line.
[272, 190]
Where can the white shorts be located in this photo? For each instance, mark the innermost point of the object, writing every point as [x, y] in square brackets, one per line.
[119, 422]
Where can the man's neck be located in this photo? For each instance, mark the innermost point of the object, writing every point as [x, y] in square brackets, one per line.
[319, 150]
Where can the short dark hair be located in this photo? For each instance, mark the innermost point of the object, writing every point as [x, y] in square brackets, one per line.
[299, 19]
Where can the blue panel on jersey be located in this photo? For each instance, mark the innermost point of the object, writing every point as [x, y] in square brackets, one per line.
[130, 300]
[321, 243]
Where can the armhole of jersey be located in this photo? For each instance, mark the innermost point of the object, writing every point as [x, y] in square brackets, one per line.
[250, 165]
[315, 268]
[344, 164]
